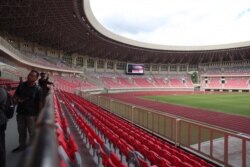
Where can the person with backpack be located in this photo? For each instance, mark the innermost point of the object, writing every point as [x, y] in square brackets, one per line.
[28, 96]
[3, 124]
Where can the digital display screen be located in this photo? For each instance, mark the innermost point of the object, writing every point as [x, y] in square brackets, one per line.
[135, 69]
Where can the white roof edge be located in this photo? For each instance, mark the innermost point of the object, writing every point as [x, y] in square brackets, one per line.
[95, 23]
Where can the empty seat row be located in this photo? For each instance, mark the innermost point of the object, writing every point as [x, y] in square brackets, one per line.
[67, 146]
[109, 158]
[120, 131]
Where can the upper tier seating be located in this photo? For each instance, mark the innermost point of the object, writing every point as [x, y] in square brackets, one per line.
[143, 82]
[214, 83]
[238, 82]
[176, 82]
[72, 83]
[229, 83]
[161, 82]
[237, 70]
[189, 83]
[45, 60]
[125, 82]
[110, 82]
[122, 81]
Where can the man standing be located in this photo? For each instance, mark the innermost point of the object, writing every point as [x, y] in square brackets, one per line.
[3, 122]
[43, 83]
[29, 98]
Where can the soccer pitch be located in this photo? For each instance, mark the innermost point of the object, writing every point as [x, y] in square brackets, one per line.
[230, 103]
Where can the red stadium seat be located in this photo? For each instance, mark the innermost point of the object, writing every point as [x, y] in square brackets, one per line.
[153, 157]
[176, 161]
[105, 157]
[116, 160]
[142, 162]
[185, 164]
[164, 163]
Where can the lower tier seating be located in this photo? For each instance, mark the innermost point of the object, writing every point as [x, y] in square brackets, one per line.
[136, 145]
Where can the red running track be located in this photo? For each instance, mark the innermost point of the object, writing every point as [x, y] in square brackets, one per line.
[233, 122]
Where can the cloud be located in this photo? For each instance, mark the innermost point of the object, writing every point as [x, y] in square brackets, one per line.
[176, 22]
[243, 13]
[124, 25]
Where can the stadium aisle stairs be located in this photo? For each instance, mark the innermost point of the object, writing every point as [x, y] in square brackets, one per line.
[87, 159]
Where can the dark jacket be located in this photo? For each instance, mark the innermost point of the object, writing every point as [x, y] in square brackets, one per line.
[3, 100]
[43, 83]
[29, 99]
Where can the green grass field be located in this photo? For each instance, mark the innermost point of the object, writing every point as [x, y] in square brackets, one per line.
[231, 103]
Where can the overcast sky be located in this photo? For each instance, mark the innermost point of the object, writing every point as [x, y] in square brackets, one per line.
[176, 22]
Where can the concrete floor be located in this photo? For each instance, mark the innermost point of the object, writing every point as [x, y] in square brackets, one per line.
[234, 151]
[11, 139]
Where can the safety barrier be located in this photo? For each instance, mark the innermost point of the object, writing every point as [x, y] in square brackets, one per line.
[221, 146]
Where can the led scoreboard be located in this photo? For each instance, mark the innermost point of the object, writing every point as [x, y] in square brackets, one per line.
[135, 69]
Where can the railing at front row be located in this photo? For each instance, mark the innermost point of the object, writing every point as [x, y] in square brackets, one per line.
[43, 151]
[221, 146]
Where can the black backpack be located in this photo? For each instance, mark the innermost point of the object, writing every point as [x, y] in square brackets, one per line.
[10, 106]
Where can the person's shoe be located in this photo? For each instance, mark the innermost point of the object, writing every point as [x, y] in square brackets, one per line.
[19, 148]
[16, 149]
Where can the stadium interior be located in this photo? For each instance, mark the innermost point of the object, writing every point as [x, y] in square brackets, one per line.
[94, 114]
